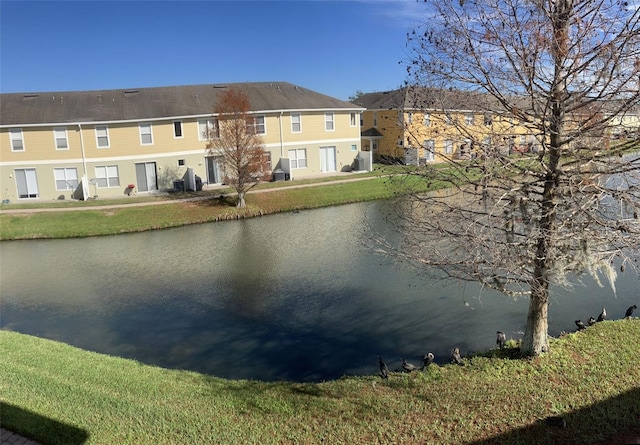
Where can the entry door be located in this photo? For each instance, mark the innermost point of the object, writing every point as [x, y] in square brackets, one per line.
[213, 170]
[27, 183]
[146, 176]
[327, 159]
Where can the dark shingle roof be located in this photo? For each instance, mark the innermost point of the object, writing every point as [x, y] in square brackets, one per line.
[153, 103]
[421, 98]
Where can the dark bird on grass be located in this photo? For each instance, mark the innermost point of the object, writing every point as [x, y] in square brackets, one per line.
[408, 367]
[580, 324]
[630, 311]
[501, 339]
[427, 359]
[602, 315]
[456, 358]
[592, 321]
[384, 371]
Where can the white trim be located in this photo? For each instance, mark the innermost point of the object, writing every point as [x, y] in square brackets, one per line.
[173, 122]
[333, 121]
[11, 139]
[103, 159]
[299, 122]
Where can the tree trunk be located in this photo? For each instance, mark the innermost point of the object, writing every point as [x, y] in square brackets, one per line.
[241, 204]
[535, 339]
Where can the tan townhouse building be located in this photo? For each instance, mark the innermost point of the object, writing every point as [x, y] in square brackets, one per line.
[110, 143]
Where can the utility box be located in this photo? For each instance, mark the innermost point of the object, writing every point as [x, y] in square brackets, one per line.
[178, 185]
[278, 175]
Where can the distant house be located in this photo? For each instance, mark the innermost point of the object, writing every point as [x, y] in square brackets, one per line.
[75, 144]
[415, 125]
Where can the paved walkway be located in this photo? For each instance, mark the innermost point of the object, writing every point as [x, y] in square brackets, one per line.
[289, 185]
[9, 438]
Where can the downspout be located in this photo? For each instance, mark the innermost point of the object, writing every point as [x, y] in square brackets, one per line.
[281, 137]
[85, 185]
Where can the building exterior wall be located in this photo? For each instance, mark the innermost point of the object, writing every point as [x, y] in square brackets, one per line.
[172, 156]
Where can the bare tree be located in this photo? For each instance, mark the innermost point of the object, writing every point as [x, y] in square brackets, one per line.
[233, 137]
[568, 71]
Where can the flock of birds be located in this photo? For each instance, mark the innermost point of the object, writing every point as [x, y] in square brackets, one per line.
[602, 317]
[501, 340]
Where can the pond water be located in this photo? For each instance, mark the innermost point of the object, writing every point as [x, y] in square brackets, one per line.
[293, 296]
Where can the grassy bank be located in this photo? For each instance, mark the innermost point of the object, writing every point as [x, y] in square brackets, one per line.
[63, 395]
[81, 219]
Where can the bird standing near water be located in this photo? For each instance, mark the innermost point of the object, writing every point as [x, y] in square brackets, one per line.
[602, 315]
[592, 321]
[501, 339]
[630, 311]
[580, 324]
[408, 367]
[456, 358]
[384, 371]
[427, 359]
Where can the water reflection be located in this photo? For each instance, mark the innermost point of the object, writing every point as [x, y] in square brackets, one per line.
[293, 296]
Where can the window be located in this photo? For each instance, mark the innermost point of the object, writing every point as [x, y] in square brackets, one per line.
[328, 122]
[427, 120]
[375, 118]
[488, 120]
[107, 176]
[296, 123]
[17, 144]
[208, 129]
[448, 146]
[27, 183]
[181, 163]
[468, 119]
[177, 129]
[102, 136]
[60, 136]
[146, 135]
[374, 145]
[298, 158]
[353, 119]
[354, 147]
[410, 117]
[66, 178]
[258, 125]
[428, 146]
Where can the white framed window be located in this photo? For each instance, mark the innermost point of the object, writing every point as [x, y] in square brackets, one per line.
[410, 117]
[427, 120]
[66, 178]
[375, 118]
[146, 134]
[177, 130]
[60, 137]
[107, 176]
[296, 122]
[374, 145]
[329, 124]
[181, 163]
[469, 119]
[298, 157]
[353, 119]
[208, 129]
[17, 142]
[428, 146]
[102, 136]
[354, 147]
[258, 126]
[26, 183]
[448, 146]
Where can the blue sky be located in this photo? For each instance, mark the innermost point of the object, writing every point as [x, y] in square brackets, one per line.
[333, 47]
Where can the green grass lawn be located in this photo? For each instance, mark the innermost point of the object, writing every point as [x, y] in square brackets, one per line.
[167, 212]
[59, 394]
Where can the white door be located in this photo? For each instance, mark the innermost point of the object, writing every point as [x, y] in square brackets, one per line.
[27, 183]
[327, 159]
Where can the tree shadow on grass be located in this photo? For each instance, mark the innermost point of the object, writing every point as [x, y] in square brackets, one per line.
[43, 429]
[614, 421]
